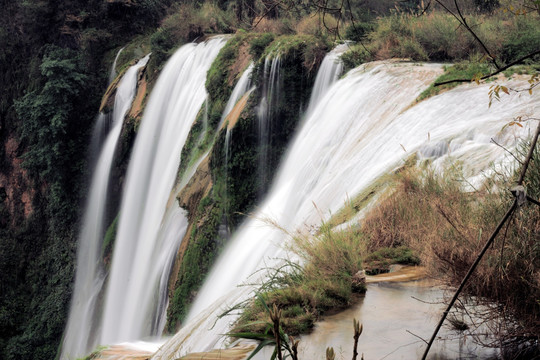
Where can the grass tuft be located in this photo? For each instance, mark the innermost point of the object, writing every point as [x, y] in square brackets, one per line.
[304, 294]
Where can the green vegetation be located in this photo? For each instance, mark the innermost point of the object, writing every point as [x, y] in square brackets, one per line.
[203, 248]
[274, 335]
[380, 260]
[326, 282]
[463, 70]
[436, 36]
[53, 69]
[307, 48]
[258, 44]
[220, 78]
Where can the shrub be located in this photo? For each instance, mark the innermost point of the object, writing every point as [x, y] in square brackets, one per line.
[438, 36]
[258, 44]
[523, 40]
[318, 25]
[310, 48]
[355, 56]
[187, 23]
[161, 43]
[381, 259]
[274, 26]
[358, 31]
[432, 215]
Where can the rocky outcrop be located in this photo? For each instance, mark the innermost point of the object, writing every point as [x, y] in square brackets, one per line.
[189, 198]
[198, 187]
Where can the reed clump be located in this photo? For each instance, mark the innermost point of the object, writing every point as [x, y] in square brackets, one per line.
[326, 282]
[447, 227]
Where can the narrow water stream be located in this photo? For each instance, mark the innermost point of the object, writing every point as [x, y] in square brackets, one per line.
[390, 312]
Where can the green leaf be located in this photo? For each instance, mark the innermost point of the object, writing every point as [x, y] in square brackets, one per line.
[274, 354]
[261, 299]
[252, 336]
[259, 348]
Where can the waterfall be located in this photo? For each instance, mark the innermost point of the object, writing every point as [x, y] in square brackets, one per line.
[103, 122]
[365, 126]
[242, 86]
[140, 254]
[269, 100]
[113, 73]
[78, 339]
[331, 68]
[327, 75]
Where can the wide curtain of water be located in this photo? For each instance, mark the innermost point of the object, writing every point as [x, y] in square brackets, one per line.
[131, 303]
[78, 338]
[366, 125]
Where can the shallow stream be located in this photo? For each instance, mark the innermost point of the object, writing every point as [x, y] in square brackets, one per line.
[394, 316]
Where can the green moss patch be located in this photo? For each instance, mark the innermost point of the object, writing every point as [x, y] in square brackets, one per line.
[464, 70]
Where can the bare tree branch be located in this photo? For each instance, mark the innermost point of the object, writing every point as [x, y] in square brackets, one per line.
[534, 53]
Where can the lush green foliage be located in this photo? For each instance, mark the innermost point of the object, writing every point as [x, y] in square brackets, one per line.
[307, 49]
[259, 43]
[47, 115]
[52, 77]
[358, 31]
[523, 40]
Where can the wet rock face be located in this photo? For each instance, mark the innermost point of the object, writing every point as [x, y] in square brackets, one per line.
[198, 187]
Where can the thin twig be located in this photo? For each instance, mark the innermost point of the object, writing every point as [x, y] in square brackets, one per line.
[413, 334]
[493, 73]
[536, 202]
[469, 273]
[488, 243]
[529, 156]
[426, 302]
[441, 211]
[508, 151]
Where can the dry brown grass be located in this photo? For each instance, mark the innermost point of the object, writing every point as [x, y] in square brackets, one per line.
[448, 227]
[267, 25]
[318, 25]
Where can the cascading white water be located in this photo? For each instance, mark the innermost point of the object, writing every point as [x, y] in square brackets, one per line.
[113, 74]
[242, 86]
[363, 127]
[329, 71]
[78, 338]
[270, 92]
[134, 281]
[103, 122]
